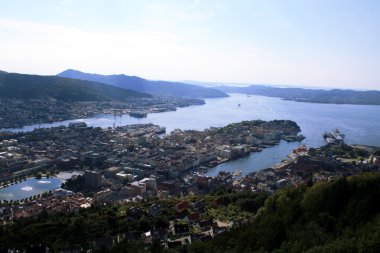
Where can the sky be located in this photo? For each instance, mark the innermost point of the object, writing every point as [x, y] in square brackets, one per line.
[311, 43]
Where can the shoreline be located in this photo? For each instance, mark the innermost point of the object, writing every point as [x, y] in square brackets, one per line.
[206, 169]
[120, 112]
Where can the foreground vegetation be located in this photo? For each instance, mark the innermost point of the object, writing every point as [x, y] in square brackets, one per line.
[58, 230]
[338, 216]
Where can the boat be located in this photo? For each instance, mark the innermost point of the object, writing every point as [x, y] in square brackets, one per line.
[334, 137]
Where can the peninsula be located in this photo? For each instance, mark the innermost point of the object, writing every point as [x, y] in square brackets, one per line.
[144, 206]
[333, 96]
[33, 99]
[138, 147]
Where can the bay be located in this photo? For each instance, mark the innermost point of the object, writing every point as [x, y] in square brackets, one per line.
[360, 123]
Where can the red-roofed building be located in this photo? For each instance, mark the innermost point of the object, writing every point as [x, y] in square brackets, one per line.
[182, 206]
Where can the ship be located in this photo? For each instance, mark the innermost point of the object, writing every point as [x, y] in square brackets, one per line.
[334, 137]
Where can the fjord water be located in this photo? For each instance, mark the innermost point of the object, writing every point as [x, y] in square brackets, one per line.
[360, 123]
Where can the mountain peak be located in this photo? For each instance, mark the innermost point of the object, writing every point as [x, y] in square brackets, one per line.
[70, 72]
[165, 88]
[13, 85]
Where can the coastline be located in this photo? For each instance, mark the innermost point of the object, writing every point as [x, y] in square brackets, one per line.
[65, 121]
[172, 105]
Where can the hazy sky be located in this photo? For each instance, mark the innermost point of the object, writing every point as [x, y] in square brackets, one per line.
[332, 43]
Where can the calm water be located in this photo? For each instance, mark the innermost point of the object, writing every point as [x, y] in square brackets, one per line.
[28, 188]
[360, 123]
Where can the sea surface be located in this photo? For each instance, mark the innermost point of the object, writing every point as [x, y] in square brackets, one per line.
[28, 188]
[360, 123]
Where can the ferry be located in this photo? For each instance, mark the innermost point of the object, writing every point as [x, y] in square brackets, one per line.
[334, 137]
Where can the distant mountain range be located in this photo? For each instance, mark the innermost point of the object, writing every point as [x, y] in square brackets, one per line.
[165, 88]
[14, 85]
[214, 84]
[73, 85]
[335, 96]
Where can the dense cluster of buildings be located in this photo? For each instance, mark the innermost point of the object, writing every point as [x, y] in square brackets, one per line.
[189, 224]
[59, 200]
[127, 164]
[20, 112]
[308, 166]
[137, 161]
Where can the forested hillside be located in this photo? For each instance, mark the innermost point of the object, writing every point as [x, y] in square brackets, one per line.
[23, 86]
